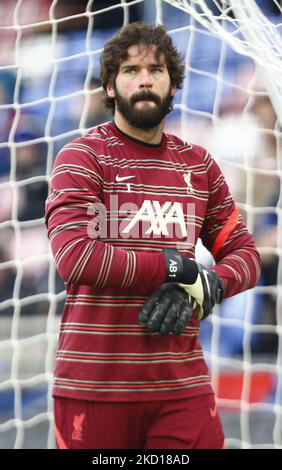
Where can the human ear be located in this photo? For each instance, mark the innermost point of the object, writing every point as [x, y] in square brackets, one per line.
[110, 90]
[173, 90]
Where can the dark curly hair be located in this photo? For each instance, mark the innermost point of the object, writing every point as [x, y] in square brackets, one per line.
[115, 52]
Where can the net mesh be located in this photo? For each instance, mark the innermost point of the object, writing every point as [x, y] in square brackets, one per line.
[230, 103]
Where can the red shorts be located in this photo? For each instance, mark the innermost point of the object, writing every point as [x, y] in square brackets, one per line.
[191, 423]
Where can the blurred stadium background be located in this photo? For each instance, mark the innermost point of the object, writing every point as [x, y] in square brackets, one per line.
[49, 94]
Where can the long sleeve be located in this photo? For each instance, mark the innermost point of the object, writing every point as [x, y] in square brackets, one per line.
[227, 238]
[81, 256]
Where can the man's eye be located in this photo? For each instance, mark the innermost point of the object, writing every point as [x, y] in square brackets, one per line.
[129, 70]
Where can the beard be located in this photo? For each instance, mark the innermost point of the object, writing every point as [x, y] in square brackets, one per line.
[147, 117]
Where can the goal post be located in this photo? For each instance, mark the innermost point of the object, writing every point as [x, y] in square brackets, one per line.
[230, 104]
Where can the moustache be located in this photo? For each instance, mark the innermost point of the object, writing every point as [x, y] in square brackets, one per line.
[145, 95]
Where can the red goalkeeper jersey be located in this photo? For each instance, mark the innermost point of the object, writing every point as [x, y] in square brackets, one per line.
[114, 204]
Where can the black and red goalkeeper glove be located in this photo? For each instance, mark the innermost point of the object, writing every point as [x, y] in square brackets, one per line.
[168, 310]
[201, 283]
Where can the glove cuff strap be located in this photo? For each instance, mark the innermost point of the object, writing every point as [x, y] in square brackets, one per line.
[179, 268]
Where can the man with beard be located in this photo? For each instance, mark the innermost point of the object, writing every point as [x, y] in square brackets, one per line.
[128, 203]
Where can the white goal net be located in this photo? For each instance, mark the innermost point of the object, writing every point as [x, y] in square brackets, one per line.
[230, 103]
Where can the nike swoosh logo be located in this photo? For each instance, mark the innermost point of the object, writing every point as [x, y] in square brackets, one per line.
[123, 178]
[213, 412]
[207, 280]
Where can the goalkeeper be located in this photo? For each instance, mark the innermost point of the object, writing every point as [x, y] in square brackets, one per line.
[128, 203]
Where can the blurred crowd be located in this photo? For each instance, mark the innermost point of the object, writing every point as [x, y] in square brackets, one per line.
[50, 93]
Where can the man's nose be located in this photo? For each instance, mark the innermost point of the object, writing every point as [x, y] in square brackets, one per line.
[145, 79]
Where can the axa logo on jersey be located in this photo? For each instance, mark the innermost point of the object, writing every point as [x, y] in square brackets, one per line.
[158, 218]
[152, 220]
